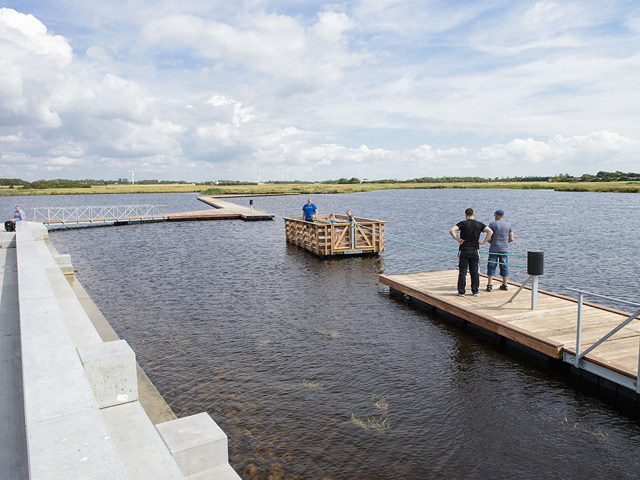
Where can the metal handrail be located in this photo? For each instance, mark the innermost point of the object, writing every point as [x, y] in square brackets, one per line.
[96, 213]
[603, 296]
[580, 355]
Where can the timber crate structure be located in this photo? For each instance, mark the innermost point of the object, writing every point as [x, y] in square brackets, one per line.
[362, 237]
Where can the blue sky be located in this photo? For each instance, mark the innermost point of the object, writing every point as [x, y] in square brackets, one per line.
[207, 89]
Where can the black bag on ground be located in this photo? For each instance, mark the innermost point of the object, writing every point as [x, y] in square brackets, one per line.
[9, 226]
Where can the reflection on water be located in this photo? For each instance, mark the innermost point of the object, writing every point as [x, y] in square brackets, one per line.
[314, 372]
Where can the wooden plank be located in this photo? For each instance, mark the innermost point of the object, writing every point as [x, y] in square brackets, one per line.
[541, 344]
[550, 329]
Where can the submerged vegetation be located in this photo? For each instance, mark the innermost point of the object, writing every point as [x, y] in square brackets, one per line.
[314, 386]
[371, 423]
[596, 432]
[330, 333]
[379, 424]
[380, 403]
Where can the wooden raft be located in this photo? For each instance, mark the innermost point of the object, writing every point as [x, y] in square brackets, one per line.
[550, 329]
[364, 237]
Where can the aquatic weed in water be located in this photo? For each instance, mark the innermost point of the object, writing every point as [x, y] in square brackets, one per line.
[380, 403]
[330, 333]
[371, 423]
[314, 386]
[597, 432]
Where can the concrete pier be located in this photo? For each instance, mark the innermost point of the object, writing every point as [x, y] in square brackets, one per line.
[70, 401]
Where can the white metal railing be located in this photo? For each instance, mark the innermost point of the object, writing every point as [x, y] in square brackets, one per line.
[579, 354]
[97, 214]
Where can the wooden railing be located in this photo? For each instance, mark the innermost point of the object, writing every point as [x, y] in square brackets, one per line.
[324, 239]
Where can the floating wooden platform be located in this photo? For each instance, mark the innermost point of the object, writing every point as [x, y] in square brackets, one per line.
[226, 209]
[324, 239]
[550, 329]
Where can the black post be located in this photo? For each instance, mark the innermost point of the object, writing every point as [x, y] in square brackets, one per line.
[535, 263]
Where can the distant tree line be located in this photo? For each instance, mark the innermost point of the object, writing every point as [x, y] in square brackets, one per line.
[563, 177]
[233, 182]
[87, 183]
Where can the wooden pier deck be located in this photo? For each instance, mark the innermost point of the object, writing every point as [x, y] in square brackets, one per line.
[550, 329]
[122, 215]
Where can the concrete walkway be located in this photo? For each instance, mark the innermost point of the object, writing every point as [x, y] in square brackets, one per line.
[13, 444]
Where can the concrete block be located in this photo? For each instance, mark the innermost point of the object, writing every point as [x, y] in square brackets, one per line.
[197, 443]
[38, 231]
[73, 446]
[64, 263]
[223, 472]
[7, 239]
[54, 380]
[140, 448]
[111, 370]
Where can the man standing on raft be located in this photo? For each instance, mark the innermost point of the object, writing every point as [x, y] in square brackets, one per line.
[470, 230]
[310, 211]
[500, 240]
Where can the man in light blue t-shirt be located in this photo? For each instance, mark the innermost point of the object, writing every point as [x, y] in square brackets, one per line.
[500, 240]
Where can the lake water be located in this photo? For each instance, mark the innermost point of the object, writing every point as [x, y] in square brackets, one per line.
[287, 352]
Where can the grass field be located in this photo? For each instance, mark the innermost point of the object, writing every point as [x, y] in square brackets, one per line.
[317, 188]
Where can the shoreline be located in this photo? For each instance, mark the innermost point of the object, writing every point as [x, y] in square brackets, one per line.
[326, 188]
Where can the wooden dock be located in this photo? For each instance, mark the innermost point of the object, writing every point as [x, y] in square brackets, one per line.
[127, 214]
[363, 237]
[550, 329]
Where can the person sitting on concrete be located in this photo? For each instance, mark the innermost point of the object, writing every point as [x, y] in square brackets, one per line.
[18, 216]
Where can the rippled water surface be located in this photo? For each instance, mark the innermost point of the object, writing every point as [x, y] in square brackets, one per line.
[293, 355]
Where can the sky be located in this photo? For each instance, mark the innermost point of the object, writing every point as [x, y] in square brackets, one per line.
[258, 90]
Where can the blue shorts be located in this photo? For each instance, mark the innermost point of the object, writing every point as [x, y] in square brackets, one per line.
[494, 261]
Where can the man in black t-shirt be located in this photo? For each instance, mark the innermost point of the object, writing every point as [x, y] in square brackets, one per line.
[470, 230]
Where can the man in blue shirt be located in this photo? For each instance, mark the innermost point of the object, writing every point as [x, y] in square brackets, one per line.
[310, 211]
[469, 241]
[502, 237]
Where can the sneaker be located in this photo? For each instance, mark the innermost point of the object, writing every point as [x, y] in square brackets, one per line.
[504, 287]
[460, 294]
[489, 288]
[475, 294]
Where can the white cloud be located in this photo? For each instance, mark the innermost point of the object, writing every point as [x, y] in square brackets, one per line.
[274, 45]
[31, 67]
[370, 89]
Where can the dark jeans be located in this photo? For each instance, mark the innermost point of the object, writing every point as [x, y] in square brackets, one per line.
[468, 259]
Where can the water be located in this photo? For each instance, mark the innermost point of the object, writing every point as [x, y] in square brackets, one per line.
[285, 350]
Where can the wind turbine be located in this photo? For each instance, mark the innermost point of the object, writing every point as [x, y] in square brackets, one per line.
[133, 181]
[259, 175]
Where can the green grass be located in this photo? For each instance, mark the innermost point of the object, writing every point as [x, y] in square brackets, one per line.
[102, 189]
[321, 188]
